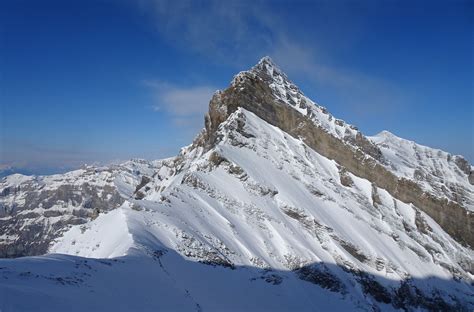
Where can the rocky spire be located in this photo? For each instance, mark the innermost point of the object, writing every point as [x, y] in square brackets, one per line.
[266, 66]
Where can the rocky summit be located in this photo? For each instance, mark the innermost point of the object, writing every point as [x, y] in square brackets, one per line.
[276, 205]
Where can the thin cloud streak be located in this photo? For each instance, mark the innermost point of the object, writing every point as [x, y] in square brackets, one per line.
[238, 33]
[186, 106]
[224, 29]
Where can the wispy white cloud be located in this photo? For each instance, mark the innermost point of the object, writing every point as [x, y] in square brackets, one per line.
[240, 32]
[186, 105]
[228, 31]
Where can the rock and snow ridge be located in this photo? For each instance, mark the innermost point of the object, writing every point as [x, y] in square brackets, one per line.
[437, 171]
[249, 217]
[435, 167]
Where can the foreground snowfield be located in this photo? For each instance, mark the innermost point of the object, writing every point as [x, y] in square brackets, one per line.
[259, 222]
[167, 283]
[164, 283]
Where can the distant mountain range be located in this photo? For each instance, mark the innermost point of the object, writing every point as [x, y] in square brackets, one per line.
[6, 171]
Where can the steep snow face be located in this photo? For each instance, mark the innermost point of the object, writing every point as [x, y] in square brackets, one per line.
[261, 198]
[438, 172]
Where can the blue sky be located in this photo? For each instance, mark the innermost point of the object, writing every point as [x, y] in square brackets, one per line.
[104, 81]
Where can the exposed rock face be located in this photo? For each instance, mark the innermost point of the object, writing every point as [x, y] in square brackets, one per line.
[463, 164]
[465, 167]
[267, 92]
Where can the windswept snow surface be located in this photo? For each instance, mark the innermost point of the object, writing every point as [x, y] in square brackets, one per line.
[234, 228]
[106, 237]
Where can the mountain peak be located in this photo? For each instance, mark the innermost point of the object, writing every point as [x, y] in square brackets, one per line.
[268, 92]
[385, 134]
[269, 69]
[266, 60]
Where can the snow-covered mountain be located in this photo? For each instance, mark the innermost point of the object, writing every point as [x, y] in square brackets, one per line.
[276, 205]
